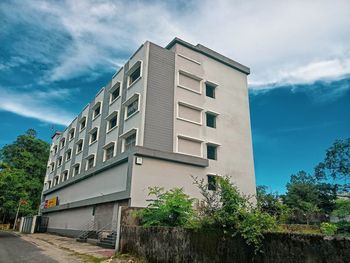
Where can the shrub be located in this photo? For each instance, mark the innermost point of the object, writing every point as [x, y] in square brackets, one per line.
[170, 208]
[227, 209]
[328, 229]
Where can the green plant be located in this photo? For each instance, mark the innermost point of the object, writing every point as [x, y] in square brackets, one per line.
[227, 209]
[170, 208]
[328, 229]
[342, 209]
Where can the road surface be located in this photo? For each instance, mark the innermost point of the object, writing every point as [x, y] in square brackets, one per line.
[13, 249]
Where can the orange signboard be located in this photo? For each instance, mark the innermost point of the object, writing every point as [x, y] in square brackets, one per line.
[52, 202]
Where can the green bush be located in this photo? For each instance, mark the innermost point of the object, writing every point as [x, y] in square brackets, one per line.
[170, 208]
[343, 227]
[328, 229]
[227, 209]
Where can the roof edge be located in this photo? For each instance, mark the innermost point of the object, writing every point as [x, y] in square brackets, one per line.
[210, 53]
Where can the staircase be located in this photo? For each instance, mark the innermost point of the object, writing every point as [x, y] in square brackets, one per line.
[108, 241]
[103, 237]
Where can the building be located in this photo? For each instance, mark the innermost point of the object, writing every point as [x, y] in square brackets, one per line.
[168, 114]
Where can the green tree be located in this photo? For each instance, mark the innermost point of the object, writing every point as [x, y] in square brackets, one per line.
[22, 171]
[336, 164]
[342, 209]
[233, 213]
[271, 203]
[302, 196]
[170, 208]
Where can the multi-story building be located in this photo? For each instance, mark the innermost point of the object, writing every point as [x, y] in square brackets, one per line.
[168, 114]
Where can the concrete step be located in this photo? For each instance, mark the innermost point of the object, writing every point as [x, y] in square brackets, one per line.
[106, 244]
[79, 239]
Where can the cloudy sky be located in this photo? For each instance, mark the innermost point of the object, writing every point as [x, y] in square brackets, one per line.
[55, 55]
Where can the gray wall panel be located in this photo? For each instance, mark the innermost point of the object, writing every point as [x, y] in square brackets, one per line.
[160, 99]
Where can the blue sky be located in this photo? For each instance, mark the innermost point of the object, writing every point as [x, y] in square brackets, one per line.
[55, 56]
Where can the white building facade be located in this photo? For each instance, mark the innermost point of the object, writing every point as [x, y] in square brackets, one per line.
[168, 114]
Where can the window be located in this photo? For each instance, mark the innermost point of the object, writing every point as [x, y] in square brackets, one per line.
[82, 123]
[93, 135]
[48, 184]
[130, 142]
[112, 121]
[76, 169]
[90, 162]
[79, 146]
[132, 108]
[59, 161]
[211, 120]
[212, 182]
[96, 110]
[65, 176]
[71, 134]
[210, 90]
[135, 73]
[109, 152]
[68, 155]
[211, 152]
[56, 180]
[55, 149]
[63, 142]
[114, 92]
[52, 165]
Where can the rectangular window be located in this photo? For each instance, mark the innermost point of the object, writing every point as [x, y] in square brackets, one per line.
[135, 74]
[130, 142]
[56, 180]
[112, 121]
[96, 110]
[109, 152]
[210, 90]
[68, 155]
[90, 162]
[93, 135]
[211, 120]
[55, 149]
[79, 146]
[115, 92]
[82, 124]
[212, 182]
[76, 169]
[63, 142]
[132, 108]
[71, 134]
[65, 176]
[59, 161]
[211, 152]
[52, 166]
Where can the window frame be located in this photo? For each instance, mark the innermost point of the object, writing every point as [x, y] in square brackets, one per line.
[90, 135]
[216, 151]
[70, 136]
[212, 114]
[213, 86]
[106, 147]
[137, 64]
[66, 153]
[87, 165]
[126, 135]
[63, 175]
[109, 118]
[93, 109]
[132, 99]
[213, 184]
[74, 169]
[77, 146]
[83, 119]
[116, 86]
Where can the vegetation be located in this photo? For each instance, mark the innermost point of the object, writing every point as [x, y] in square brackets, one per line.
[328, 228]
[22, 171]
[170, 208]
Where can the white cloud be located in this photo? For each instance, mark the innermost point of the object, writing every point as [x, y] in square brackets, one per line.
[282, 41]
[37, 105]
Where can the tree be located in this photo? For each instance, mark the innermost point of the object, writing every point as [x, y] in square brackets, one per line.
[22, 171]
[336, 164]
[170, 208]
[342, 210]
[271, 203]
[227, 209]
[302, 196]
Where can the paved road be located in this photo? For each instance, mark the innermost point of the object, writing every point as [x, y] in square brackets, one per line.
[13, 249]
